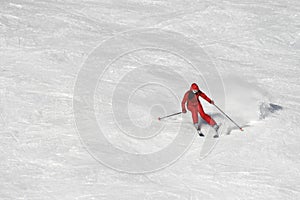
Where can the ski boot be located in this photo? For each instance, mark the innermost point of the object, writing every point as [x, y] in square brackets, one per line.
[216, 127]
[200, 133]
[198, 127]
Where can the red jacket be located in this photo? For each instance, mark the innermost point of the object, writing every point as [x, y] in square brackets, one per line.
[192, 99]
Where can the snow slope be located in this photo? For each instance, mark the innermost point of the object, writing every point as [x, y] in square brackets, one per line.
[248, 53]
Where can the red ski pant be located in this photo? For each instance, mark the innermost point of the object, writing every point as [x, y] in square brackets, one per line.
[199, 109]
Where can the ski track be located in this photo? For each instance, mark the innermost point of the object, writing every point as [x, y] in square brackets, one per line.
[255, 47]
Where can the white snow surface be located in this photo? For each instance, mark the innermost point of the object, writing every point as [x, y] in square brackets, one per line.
[254, 46]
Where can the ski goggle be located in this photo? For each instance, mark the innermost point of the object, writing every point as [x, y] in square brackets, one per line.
[195, 91]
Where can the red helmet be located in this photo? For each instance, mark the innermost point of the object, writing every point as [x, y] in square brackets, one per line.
[194, 86]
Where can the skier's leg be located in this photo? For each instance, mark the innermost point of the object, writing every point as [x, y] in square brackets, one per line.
[206, 117]
[198, 126]
[195, 113]
[209, 120]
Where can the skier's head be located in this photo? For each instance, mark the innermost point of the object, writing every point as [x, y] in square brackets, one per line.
[194, 88]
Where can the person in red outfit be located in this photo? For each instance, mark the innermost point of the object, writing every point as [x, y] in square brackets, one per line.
[195, 107]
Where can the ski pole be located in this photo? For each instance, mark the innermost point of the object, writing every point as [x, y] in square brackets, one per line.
[169, 115]
[228, 117]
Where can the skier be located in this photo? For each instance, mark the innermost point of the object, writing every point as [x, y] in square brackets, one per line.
[195, 107]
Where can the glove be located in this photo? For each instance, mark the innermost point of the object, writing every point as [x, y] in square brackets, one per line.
[212, 102]
[183, 110]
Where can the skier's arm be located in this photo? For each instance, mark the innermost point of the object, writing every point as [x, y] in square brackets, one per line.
[183, 102]
[206, 97]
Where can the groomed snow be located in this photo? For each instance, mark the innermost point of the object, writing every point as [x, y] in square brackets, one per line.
[252, 45]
